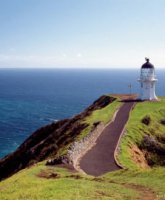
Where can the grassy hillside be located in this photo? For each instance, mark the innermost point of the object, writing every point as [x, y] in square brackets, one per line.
[143, 177]
[41, 182]
[100, 115]
[47, 183]
[53, 140]
[144, 142]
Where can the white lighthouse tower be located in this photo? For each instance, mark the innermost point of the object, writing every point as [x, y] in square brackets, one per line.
[147, 81]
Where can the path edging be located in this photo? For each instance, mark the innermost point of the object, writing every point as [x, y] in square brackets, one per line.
[117, 149]
[79, 149]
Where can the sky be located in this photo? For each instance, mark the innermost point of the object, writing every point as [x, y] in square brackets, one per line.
[81, 33]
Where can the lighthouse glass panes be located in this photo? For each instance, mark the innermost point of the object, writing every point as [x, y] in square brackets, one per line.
[147, 73]
[147, 81]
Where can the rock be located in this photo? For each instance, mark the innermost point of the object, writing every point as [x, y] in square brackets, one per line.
[57, 161]
[47, 141]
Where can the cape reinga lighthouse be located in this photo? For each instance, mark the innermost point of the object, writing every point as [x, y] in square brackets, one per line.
[147, 81]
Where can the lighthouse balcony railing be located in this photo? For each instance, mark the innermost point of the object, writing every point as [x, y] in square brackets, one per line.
[148, 78]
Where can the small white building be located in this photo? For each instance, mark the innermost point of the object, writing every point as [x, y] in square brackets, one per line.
[147, 81]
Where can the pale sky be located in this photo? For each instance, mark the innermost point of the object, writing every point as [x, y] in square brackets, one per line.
[82, 33]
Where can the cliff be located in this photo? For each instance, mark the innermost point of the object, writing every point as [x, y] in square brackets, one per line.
[141, 147]
[48, 141]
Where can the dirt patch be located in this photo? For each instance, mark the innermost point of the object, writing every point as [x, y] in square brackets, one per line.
[74, 176]
[124, 97]
[144, 192]
[47, 141]
[138, 157]
[48, 174]
[97, 179]
[101, 194]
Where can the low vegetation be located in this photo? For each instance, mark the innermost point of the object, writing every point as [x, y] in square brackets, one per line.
[103, 115]
[144, 141]
[38, 183]
[141, 154]
[53, 141]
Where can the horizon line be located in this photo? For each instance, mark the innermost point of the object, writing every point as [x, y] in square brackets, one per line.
[80, 68]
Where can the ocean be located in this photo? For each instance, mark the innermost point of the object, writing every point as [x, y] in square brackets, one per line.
[31, 98]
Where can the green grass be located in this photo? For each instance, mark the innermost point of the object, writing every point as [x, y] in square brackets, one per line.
[105, 114]
[101, 115]
[135, 130]
[153, 179]
[27, 185]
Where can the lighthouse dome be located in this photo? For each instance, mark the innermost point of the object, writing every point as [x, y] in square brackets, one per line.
[147, 65]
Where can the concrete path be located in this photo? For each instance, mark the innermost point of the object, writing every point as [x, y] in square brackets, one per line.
[100, 159]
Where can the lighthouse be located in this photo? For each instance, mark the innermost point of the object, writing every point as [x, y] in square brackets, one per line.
[147, 81]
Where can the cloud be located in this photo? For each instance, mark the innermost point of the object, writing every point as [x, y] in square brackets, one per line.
[62, 59]
[26, 60]
[79, 55]
[109, 59]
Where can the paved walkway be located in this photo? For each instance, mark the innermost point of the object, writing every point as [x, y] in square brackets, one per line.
[100, 159]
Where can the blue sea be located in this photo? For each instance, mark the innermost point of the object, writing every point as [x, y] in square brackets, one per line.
[31, 98]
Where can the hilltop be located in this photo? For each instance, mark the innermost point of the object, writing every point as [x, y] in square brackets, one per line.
[141, 154]
[53, 141]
